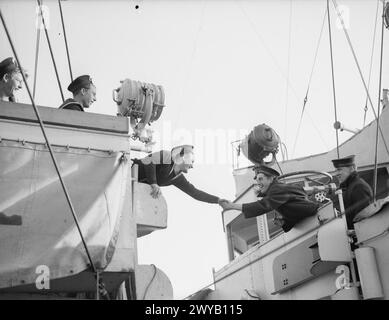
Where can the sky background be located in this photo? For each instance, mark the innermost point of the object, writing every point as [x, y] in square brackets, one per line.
[226, 66]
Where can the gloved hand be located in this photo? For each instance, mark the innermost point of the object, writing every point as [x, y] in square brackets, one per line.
[155, 190]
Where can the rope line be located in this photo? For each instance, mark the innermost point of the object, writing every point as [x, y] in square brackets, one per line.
[379, 102]
[277, 65]
[66, 42]
[279, 167]
[333, 77]
[360, 71]
[151, 281]
[371, 64]
[192, 58]
[288, 71]
[38, 36]
[50, 49]
[309, 82]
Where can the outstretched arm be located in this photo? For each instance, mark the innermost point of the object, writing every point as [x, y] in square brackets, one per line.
[249, 210]
[181, 183]
[228, 205]
[256, 208]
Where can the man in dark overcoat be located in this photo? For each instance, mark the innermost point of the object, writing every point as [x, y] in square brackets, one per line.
[357, 194]
[290, 201]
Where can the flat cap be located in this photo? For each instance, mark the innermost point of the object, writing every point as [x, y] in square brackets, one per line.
[267, 170]
[344, 162]
[81, 82]
[8, 65]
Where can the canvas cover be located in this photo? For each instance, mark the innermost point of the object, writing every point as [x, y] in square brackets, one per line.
[36, 225]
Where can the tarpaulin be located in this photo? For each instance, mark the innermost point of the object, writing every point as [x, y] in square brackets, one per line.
[36, 224]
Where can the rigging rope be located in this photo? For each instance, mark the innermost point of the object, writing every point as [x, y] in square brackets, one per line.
[288, 71]
[333, 77]
[51, 152]
[279, 167]
[309, 82]
[386, 15]
[66, 42]
[151, 281]
[285, 150]
[371, 63]
[192, 57]
[277, 65]
[38, 36]
[360, 71]
[379, 101]
[50, 49]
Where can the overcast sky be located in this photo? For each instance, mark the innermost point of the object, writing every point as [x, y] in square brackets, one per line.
[226, 66]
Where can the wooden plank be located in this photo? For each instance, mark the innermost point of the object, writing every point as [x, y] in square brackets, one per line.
[65, 118]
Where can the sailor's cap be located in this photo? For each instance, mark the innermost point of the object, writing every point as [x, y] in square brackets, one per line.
[344, 162]
[8, 65]
[182, 150]
[267, 170]
[83, 81]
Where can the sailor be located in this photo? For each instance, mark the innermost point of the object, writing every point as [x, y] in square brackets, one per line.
[357, 194]
[84, 94]
[11, 79]
[289, 200]
[165, 168]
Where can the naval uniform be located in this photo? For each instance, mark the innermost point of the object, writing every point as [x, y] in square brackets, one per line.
[357, 195]
[157, 168]
[77, 84]
[289, 200]
[71, 104]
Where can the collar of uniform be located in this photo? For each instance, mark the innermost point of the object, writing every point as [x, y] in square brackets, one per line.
[349, 180]
[72, 101]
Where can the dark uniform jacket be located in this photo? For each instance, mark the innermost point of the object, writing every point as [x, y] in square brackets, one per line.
[357, 195]
[157, 168]
[71, 104]
[289, 200]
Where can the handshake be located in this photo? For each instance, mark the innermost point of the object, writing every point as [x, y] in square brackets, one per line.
[226, 204]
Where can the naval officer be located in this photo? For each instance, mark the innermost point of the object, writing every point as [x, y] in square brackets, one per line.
[11, 79]
[165, 168]
[357, 194]
[289, 200]
[84, 94]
